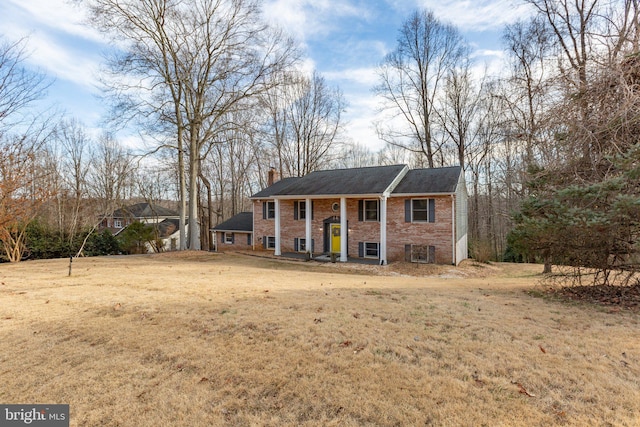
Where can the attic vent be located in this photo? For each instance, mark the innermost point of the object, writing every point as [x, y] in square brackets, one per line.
[423, 254]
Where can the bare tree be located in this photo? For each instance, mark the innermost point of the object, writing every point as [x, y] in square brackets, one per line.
[355, 155]
[74, 145]
[21, 191]
[23, 133]
[19, 87]
[304, 123]
[412, 77]
[587, 34]
[527, 92]
[459, 109]
[186, 66]
[111, 173]
[315, 119]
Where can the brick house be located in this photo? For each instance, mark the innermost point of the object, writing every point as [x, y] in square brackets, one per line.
[236, 233]
[382, 213]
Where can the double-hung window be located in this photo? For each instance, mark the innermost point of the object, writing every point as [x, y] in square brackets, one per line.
[299, 210]
[268, 210]
[369, 210]
[420, 210]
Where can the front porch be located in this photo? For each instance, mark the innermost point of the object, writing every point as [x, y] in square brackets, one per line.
[326, 257]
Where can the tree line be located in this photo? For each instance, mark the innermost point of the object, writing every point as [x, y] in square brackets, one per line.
[219, 97]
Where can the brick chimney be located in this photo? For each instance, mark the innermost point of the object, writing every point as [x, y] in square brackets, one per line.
[272, 177]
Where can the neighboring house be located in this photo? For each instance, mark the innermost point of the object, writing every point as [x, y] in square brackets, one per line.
[383, 213]
[235, 233]
[166, 221]
[169, 233]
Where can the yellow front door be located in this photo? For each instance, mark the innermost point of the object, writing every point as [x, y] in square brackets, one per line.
[335, 238]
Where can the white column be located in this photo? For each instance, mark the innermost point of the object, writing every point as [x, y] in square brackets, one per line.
[307, 229]
[343, 229]
[383, 230]
[277, 221]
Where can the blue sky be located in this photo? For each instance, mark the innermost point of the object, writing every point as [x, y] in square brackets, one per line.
[343, 39]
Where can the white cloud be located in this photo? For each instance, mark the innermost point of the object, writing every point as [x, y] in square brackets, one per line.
[59, 15]
[365, 77]
[58, 42]
[362, 105]
[306, 18]
[477, 15]
[63, 62]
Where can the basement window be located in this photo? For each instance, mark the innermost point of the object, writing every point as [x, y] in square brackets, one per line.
[423, 254]
[270, 242]
[371, 250]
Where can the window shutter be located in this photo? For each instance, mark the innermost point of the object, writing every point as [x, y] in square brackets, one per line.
[312, 209]
[378, 207]
[295, 211]
[407, 253]
[361, 249]
[313, 245]
[432, 210]
[432, 255]
[233, 238]
[264, 242]
[407, 210]
[249, 239]
[360, 210]
[295, 244]
[264, 210]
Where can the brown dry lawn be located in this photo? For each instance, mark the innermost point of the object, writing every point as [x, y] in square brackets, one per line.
[197, 339]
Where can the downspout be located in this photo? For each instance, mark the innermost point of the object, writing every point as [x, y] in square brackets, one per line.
[453, 228]
[277, 251]
[253, 226]
[383, 230]
[383, 221]
[307, 228]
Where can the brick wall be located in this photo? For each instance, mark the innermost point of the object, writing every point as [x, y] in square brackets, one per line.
[240, 242]
[438, 233]
[399, 232]
[261, 227]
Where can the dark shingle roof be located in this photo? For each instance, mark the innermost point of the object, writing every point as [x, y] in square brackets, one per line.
[273, 189]
[167, 227]
[428, 181]
[143, 210]
[369, 180]
[240, 222]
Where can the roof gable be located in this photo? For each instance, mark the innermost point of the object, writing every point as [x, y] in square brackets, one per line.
[429, 181]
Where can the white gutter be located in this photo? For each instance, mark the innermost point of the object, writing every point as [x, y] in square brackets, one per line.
[325, 196]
